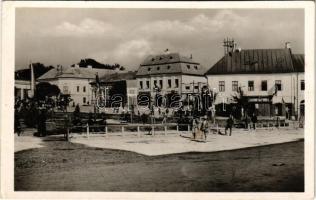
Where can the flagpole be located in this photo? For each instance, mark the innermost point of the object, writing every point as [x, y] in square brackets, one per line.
[32, 81]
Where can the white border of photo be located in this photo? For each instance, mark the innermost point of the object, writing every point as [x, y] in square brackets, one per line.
[7, 100]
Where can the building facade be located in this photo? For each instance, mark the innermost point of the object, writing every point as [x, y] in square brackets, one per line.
[22, 88]
[116, 90]
[72, 81]
[170, 73]
[272, 80]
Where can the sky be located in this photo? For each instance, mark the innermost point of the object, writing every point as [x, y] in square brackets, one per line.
[127, 36]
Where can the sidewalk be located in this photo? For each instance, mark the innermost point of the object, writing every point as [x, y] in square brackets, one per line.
[173, 143]
[27, 141]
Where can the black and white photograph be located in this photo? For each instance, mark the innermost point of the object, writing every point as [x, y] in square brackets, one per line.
[161, 99]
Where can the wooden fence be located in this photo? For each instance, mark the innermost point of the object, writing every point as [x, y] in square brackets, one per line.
[152, 129]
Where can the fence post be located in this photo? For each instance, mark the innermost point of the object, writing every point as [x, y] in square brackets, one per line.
[67, 134]
[217, 129]
[122, 129]
[177, 128]
[138, 133]
[188, 127]
[165, 130]
[88, 131]
[106, 131]
[153, 130]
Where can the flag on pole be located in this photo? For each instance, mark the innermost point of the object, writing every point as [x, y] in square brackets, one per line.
[32, 82]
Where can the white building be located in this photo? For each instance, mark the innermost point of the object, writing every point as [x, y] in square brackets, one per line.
[22, 88]
[272, 80]
[170, 73]
[73, 81]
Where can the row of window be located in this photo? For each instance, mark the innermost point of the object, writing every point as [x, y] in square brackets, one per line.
[168, 67]
[169, 84]
[65, 89]
[251, 85]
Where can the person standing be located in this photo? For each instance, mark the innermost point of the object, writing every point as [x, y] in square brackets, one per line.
[254, 120]
[246, 122]
[164, 120]
[195, 125]
[41, 127]
[204, 127]
[229, 125]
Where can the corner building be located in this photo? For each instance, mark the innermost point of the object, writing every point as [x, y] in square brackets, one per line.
[271, 79]
[170, 73]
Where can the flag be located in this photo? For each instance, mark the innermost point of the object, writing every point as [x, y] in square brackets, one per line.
[32, 82]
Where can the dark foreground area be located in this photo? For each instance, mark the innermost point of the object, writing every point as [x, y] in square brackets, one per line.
[63, 166]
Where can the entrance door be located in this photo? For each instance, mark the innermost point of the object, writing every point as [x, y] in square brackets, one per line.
[278, 109]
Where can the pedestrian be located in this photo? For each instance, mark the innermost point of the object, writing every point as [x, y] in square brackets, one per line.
[164, 120]
[195, 128]
[41, 127]
[277, 121]
[167, 111]
[246, 121]
[204, 126]
[254, 120]
[287, 112]
[229, 125]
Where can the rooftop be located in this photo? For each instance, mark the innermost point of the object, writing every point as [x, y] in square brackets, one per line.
[171, 63]
[119, 77]
[68, 72]
[258, 61]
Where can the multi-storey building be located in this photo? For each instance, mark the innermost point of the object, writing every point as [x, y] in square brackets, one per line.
[170, 73]
[271, 79]
[72, 80]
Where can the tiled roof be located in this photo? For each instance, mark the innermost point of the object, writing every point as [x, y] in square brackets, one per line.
[69, 72]
[254, 61]
[172, 63]
[118, 77]
[298, 62]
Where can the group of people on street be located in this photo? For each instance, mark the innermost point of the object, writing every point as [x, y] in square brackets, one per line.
[200, 128]
[230, 123]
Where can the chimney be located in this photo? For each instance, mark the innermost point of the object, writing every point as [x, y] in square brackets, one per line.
[288, 45]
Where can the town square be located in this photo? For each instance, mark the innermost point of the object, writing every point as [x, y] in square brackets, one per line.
[160, 100]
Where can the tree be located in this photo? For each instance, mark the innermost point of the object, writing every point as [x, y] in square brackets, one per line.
[242, 103]
[45, 89]
[39, 70]
[95, 64]
[208, 98]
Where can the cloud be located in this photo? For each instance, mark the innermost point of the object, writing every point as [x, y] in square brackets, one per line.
[86, 28]
[128, 52]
